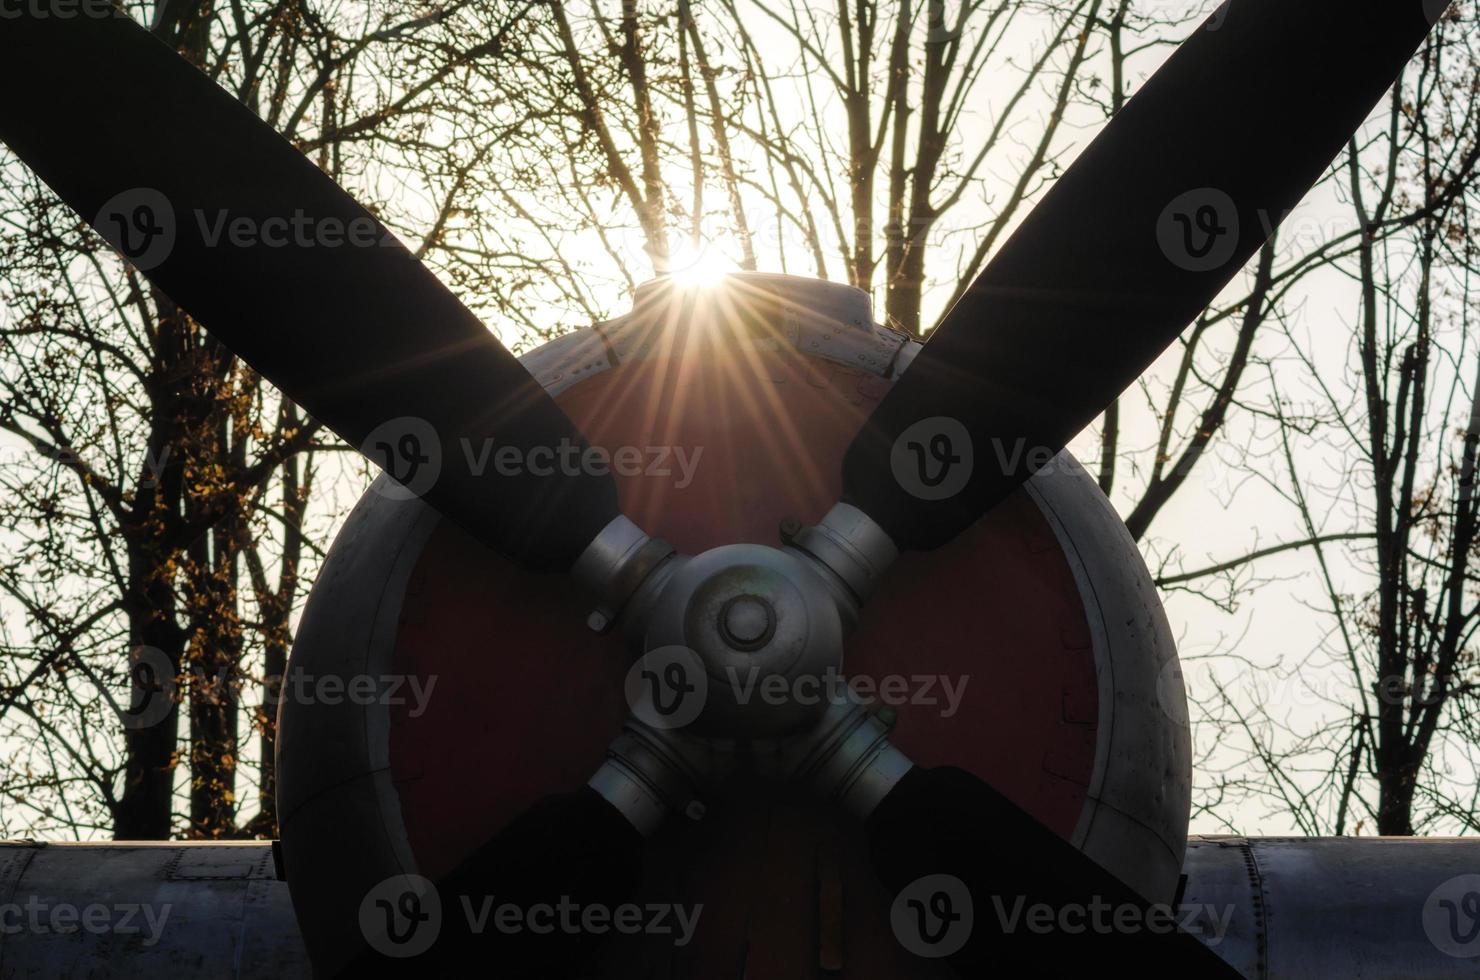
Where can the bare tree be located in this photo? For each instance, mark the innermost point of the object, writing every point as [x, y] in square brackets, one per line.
[1378, 466]
[157, 506]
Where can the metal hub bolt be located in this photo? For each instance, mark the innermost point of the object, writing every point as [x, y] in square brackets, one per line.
[747, 622]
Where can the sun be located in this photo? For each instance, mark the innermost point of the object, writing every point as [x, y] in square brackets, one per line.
[698, 265]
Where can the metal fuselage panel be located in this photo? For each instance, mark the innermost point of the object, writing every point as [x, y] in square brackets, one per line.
[1279, 907]
[1313, 908]
[148, 910]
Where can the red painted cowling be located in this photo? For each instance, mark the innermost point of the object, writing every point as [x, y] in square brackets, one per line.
[1031, 651]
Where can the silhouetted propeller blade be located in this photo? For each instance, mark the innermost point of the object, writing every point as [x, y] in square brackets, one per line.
[979, 881]
[567, 854]
[297, 279]
[1131, 243]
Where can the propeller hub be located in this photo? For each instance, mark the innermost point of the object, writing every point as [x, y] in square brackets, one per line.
[766, 630]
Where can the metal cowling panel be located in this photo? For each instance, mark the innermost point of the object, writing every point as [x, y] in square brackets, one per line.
[182, 910]
[1336, 908]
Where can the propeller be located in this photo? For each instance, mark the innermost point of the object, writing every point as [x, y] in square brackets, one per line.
[1136, 238]
[311, 290]
[988, 901]
[297, 279]
[569, 853]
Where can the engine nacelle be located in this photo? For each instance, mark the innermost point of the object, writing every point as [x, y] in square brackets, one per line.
[1032, 651]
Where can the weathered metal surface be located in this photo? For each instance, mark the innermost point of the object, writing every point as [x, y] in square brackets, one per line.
[1139, 796]
[333, 755]
[1339, 908]
[1275, 908]
[148, 910]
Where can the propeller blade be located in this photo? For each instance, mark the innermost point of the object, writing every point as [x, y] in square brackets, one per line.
[973, 875]
[297, 279]
[1140, 234]
[570, 852]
